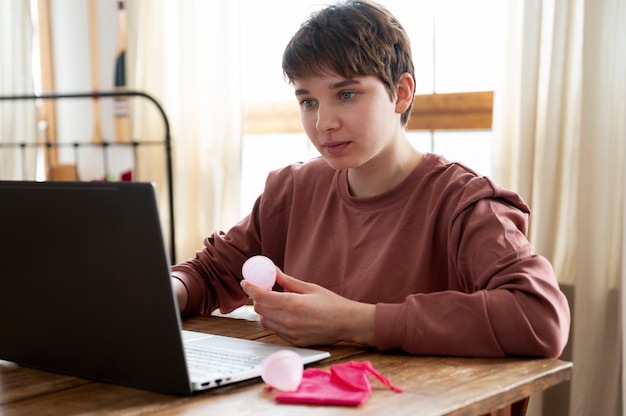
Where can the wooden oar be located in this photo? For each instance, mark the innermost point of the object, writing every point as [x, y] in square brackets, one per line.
[121, 104]
[93, 51]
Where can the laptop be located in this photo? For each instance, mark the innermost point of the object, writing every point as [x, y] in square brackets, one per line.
[85, 290]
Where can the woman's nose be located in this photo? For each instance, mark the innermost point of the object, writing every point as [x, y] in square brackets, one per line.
[326, 118]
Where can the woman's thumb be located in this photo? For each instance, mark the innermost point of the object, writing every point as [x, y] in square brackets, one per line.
[290, 284]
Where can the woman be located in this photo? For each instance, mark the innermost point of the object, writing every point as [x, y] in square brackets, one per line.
[377, 243]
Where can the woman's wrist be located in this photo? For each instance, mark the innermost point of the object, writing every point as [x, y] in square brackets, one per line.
[361, 324]
[180, 290]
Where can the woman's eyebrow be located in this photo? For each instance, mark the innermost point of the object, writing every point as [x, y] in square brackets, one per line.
[344, 83]
[301, 91]
[333, 86]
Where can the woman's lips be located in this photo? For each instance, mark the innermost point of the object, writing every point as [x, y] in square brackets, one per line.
[335, 148]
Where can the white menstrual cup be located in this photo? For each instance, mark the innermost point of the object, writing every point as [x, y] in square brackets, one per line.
[260, 271]
[283, 370]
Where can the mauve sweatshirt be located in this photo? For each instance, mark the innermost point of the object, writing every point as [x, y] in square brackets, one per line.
[443, 256]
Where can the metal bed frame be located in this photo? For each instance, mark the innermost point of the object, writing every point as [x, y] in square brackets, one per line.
[165, 142]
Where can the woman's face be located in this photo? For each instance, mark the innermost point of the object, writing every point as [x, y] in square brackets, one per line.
[351, 122]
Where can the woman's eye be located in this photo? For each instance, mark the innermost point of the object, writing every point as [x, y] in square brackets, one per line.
[307, 103]
[346, 95]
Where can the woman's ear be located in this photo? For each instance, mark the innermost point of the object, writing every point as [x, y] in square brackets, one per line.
[405, 92]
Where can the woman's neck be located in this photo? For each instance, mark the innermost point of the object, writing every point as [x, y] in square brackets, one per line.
[383, 173]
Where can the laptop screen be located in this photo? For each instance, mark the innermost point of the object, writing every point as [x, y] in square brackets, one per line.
[85, 286]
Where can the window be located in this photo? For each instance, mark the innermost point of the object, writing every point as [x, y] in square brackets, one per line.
[454, 50]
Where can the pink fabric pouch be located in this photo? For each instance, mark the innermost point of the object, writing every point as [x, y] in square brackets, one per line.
[346, 384]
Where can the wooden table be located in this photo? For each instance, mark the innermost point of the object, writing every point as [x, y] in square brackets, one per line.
[432, 386]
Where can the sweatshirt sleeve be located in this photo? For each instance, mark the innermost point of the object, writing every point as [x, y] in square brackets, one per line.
[213, 276]
[509, 302]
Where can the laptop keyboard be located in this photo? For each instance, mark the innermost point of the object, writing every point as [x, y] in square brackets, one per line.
[219, 361]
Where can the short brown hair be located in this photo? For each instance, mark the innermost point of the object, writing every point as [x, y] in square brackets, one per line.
[351, 38]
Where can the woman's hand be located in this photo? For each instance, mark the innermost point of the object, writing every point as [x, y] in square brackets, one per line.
[307, 314]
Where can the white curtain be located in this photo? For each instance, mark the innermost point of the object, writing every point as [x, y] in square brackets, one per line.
[560, 128]
[17, 118]
[186, 55]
